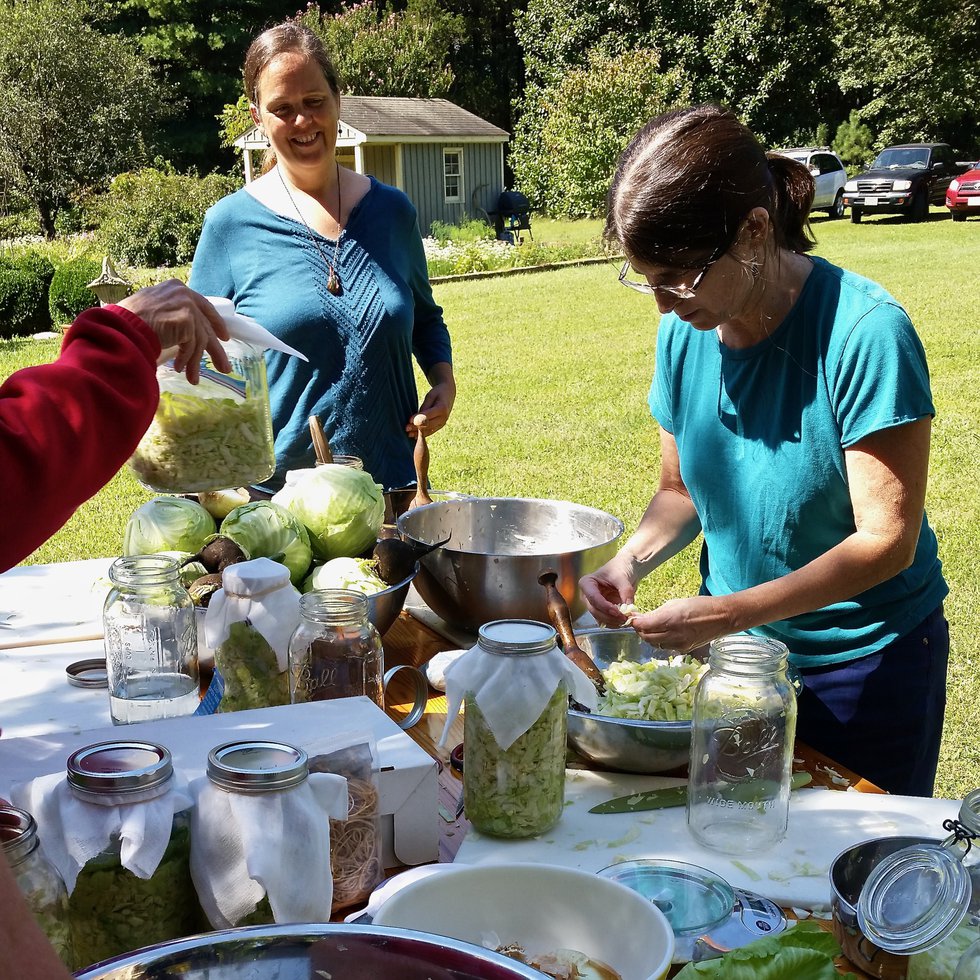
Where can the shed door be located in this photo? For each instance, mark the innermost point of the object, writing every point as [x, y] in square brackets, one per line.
[379, 162]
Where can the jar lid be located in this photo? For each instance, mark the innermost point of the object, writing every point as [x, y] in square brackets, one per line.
[88, 673]
[913, 899]
[516, 637]
[257, 766]
[119, 772]
[692, 898]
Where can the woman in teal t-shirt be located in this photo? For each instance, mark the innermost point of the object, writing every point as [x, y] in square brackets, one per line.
[795, 413]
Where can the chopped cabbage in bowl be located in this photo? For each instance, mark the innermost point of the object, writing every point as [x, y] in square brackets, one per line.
[658, 690]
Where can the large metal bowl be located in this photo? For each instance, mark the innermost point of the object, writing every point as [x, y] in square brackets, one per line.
[622, 743]
[498, 548]
[299, 952]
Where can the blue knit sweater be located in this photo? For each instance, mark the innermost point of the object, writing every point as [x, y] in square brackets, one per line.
[360, 380]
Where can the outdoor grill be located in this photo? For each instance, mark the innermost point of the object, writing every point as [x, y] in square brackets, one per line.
[512, 216]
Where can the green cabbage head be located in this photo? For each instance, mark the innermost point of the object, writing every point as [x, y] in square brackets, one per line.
[167, 524]
[263, 529]
[342, 508]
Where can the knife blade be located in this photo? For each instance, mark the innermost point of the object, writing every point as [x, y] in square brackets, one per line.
[659, 799]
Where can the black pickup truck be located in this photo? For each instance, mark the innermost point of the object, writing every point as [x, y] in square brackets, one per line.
[903, 179]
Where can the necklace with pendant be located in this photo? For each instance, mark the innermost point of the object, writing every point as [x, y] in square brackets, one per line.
[333, 280]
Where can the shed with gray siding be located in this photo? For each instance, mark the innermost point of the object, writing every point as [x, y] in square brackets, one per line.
[447, 160]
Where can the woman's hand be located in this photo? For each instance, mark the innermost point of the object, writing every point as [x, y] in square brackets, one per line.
[685, 624]
[438, 402]
[182, 319]
[609, 587]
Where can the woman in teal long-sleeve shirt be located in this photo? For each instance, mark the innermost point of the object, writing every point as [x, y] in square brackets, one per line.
[331, 262]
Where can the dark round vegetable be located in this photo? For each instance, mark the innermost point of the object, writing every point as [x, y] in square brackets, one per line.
[201, 589]
[218, 554]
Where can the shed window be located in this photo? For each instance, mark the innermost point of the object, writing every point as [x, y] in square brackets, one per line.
[452, 169]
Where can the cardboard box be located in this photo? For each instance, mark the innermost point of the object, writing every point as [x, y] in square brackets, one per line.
[408, 781]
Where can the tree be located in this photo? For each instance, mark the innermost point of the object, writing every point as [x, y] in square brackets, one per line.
[913, 70]
[197, 47]
[76, 103]
[590, 116]
[854, 142]
[380, 51]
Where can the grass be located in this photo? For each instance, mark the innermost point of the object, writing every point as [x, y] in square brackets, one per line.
[553, 371]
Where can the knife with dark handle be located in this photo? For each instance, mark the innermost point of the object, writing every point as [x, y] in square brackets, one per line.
[660, 799]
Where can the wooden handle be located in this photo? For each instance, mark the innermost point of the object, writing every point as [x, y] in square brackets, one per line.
[421, 464]
[562, 621]
[320, 445]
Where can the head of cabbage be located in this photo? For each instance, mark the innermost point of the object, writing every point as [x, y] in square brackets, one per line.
[167, 524]
[342, 508]
[263, 529]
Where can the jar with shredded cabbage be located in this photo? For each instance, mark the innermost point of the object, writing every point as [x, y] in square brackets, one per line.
[37, 879]
[111, 909]
[211, 435]
[517, 791]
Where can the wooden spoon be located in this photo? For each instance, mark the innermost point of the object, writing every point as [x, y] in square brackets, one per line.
[562, 622]
[320, 445]
[421, 497]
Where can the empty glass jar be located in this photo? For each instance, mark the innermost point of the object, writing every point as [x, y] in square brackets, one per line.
[150, 641]
[743, 729]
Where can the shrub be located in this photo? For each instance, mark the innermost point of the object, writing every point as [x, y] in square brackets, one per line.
[69, 293]
[153, 217]
[37, 264]
[473, 230]
[22, 302]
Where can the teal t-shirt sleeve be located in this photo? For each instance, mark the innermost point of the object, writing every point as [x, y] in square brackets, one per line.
[659, 399]
[211, 267]
[882, 379]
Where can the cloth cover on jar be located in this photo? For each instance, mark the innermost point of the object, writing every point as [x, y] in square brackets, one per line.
[73, 831]
[511, 692]
[258, 591]
[248, 845]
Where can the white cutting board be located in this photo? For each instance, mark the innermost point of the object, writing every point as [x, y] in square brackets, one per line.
[794, 873]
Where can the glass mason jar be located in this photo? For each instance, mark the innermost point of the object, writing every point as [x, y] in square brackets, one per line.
[743, 729]
[923, 901]
[258, 767]
[335, 651]
[212, 435]
[518, 791]
[111, 910]
[37, 879]
[150, 641]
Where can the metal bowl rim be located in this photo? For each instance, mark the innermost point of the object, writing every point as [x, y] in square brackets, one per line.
[398, 585]
[619, 526]
[299, 930]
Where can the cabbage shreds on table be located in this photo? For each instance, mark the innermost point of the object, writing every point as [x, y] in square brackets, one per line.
[204, 443]
[654, 691]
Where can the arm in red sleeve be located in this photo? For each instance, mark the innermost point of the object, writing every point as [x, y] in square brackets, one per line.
[67, 427]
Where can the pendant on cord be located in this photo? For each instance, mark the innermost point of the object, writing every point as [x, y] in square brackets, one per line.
[333, 283]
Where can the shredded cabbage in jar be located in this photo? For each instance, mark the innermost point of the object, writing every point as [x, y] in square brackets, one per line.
[199, 443]
[653, 691]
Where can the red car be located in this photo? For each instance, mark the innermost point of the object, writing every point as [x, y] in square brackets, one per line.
[963, 194]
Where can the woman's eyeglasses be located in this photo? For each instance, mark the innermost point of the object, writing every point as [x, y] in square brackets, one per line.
[678, 292]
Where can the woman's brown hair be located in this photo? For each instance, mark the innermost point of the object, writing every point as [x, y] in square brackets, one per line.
[286, 38]
[687, 180]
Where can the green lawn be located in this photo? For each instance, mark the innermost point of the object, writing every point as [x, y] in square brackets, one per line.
[553, 371]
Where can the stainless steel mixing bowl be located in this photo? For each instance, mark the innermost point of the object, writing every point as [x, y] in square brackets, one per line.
[299, 952]
[621, 743]
[499, 546]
